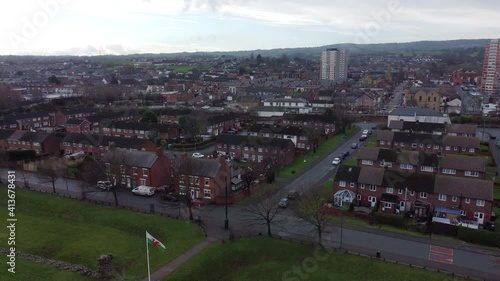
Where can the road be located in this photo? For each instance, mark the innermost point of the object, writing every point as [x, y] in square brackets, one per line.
[464, 260]
[398, 97]
[469, 103]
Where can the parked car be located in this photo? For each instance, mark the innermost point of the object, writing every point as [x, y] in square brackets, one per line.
[293, 194]
[336, 161]
[342, 156]
[169, 197]
[492, 137]
[197, 202]
[144, 190]
[197, 155]
[498, 144]
[106, 185]
[363, 137]
[370, 132]
[232, 132]
[283, 202]
[354, 145]
[365, 132]
[346, 153]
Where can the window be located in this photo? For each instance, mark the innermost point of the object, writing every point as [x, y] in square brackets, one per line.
[447, 147]
[471, 150]
[196, 181]
[134, 170]
[387, 205]
[351, 184]
[421, 145]
[142, 181]
[412, 193]
[245, 156]
[449, 171]
[402, 144]
[453, 198]
[382, 142]
[145, 172]
[389, 190]
[372, 199]
[478, 215]
[260, 158]
[400, 191]
[442, 197]
[463, 213]
[406, 167]
[367, 162]
[436, 146]
[362, 186]
[246, 148]
[108, 167]
[455, 148]
[182, 190]
[429, 146]
[123, 180]
[207, 181]
[413, 145]
[207, 193]
[232, 146]
[373, 187]
[471, 174]
[467, 200]
[426, 169]
[260, 149]
[480, 203]
[342, 183]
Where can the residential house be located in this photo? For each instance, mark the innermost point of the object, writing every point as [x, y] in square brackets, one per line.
[98, 145]
[462, 166]
[217, 124]
[298, 135]
[324, 122]
[131, 168]
[423, 115]
[41, 142]
[61, 117]
[140, 130]
[417, 127]
[263, 150]
[209, 182]
[4, 136]
[77, 126]
[467, 130]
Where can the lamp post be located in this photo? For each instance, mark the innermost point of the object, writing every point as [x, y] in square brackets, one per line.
[226, 221]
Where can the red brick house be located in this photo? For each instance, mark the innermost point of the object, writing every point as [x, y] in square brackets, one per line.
[417, 127]
[140, 130]
[428, 143]
[298, 135]
[27, 121]
[97, 146]
[259, 149]
[467, 130]
[324, 122]
[209, 182]
[61, 117]
[131, 168]
[77, 126]
[418, 192]
[39, 141]
[217, 124]
[4, 136]
[97, 121]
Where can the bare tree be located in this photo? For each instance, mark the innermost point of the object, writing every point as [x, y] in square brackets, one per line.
[52, 170]
[187, 171]
[114, 164]
[313, 136]
[310, 211]
[264, 208]
[249, 176]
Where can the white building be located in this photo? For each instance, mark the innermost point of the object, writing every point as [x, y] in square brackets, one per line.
[414, 114]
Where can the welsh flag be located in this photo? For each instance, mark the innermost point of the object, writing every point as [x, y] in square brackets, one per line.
[155, 242]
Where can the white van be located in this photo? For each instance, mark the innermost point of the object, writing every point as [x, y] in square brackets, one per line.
[144, 190]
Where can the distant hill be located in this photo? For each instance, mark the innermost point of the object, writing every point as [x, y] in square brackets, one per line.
[419, 47]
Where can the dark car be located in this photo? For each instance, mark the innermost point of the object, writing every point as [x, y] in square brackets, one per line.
[342, 155]
[492, 137]
[169, 197]
[232, 132]
[346, 153]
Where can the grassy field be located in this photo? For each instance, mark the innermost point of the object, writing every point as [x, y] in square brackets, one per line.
[371, 141]
[78, 232]
[187, 67]
[263, 258]
[303, 161]
[27, 270]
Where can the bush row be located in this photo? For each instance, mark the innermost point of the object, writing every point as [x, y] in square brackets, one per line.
[479, 236]
[390, 219]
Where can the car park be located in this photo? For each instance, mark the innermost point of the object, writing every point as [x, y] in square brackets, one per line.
[144, 190]
[197, 155]
[106, 185]
[169, 197]
[336, 161]
[283, 202]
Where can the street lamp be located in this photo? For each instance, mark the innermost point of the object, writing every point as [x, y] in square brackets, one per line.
[226, 221]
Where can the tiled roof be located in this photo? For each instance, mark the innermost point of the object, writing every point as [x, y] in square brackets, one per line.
[464, 187]
[253, 141]
[369, 175]
[347, 173]
[134, 158]
[461, 128]
[463, 162]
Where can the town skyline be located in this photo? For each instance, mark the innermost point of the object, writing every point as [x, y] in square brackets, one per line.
[57, 27]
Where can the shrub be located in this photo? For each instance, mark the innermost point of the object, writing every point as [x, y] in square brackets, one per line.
[390, 219]
[479, 236]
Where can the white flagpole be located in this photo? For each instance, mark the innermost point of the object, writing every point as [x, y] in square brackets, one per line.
[147, 252]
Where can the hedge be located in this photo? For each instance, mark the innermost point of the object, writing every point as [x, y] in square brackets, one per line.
[479, 236]
[390, 219]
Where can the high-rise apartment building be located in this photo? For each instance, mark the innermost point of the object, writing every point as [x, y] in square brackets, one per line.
[334, 65]
[491, 68]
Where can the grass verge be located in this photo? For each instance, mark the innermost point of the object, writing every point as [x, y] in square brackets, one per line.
[263, 258]
[78, 232]
[305, 160]
[28, 270]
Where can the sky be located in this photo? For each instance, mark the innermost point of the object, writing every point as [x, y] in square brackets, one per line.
[100, 27]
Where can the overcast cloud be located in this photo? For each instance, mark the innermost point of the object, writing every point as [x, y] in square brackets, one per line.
[94, 27]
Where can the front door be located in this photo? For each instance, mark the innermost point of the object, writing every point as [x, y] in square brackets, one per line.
[480, 217]
[195, 193]
[128, 182]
